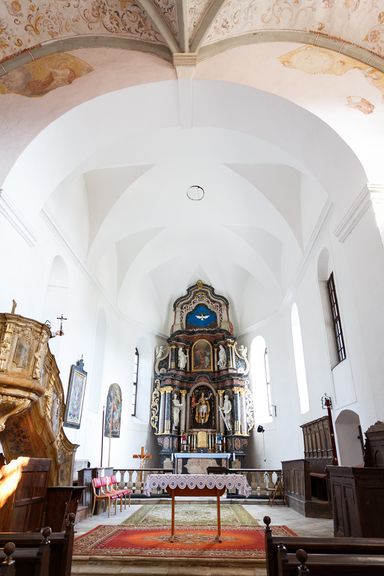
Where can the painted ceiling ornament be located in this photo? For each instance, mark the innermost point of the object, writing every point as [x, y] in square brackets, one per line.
[375, 36]
[361, 104]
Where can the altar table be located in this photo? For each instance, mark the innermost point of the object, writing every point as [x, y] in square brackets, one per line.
[197, 485]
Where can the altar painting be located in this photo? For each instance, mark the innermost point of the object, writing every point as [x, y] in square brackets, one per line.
[202, 356]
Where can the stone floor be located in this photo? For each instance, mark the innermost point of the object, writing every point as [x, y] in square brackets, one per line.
[280, 515]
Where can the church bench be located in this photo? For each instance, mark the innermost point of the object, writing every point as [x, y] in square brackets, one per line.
[7, 565]
[61, 546]
[27, 561]
[356, 546]
[333, 564]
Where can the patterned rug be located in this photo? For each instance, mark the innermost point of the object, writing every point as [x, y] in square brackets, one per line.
[124, 541]
[191, 514]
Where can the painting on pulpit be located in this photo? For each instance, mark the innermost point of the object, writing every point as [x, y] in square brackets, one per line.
[202, 356]
[202, 405]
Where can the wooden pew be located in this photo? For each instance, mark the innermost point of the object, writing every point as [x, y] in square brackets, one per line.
[300, 563]
[27, 561]
[7, 566]
[330, 546]
[27, 502]
[61, 546]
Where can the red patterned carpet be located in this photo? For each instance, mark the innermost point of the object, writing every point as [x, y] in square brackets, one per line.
[191, 542]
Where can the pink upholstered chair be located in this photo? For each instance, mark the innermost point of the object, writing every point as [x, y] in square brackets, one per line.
[126, 492]
[100, 495]
[113, 496]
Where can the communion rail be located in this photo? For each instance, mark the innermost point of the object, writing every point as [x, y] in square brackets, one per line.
[261, 480]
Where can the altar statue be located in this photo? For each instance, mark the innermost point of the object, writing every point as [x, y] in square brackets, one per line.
[202, 409]
[222, 363]
[176, 407]
[182, 358]
[226, 412]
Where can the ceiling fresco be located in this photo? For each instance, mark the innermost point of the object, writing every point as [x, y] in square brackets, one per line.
[316, 60]
[43, 75]
[191, 25]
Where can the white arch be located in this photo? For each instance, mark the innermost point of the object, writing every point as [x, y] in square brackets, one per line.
[69, 144]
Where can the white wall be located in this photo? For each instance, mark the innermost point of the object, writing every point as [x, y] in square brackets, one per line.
[27, 272]
[356, 383]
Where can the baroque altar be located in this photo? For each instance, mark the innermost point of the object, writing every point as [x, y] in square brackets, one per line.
[201, 402]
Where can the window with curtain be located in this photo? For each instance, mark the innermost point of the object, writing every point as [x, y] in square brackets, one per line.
[135, 381]
[260, 380]
[301, 374]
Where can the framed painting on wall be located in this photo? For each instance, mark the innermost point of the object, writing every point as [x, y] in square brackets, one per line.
[75, 395]
[113, 412]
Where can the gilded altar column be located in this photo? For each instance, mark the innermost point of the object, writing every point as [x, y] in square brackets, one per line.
[221, 427]
[162, 411]
[183, 419]
[167, 414]
[236, 410]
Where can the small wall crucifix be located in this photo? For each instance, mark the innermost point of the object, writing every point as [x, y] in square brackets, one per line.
[143, 456]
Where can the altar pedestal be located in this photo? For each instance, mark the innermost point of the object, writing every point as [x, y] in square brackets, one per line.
[198, 462]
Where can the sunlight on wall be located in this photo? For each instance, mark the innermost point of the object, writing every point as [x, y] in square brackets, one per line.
[301, 375]
[260, 380]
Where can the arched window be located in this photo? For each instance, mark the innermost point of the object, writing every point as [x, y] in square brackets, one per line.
[331, 310]
[135, 378]
[260, 380]
[301, 375]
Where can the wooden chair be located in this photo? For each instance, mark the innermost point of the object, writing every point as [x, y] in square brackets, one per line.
[116, 495]
[124, 491]
[99, 495]
[275, 491]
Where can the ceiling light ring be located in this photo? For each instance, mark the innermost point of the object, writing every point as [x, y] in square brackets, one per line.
[195, 193]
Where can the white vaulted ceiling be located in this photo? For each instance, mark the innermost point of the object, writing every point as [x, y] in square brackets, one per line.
[113, 109]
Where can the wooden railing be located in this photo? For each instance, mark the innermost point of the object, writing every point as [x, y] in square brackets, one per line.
[260, 480]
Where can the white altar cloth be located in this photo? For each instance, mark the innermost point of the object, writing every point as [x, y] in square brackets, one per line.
[230, 481]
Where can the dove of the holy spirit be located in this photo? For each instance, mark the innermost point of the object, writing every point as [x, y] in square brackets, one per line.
[202, 316]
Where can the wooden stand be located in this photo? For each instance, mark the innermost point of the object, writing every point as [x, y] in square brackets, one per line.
[196, 492]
